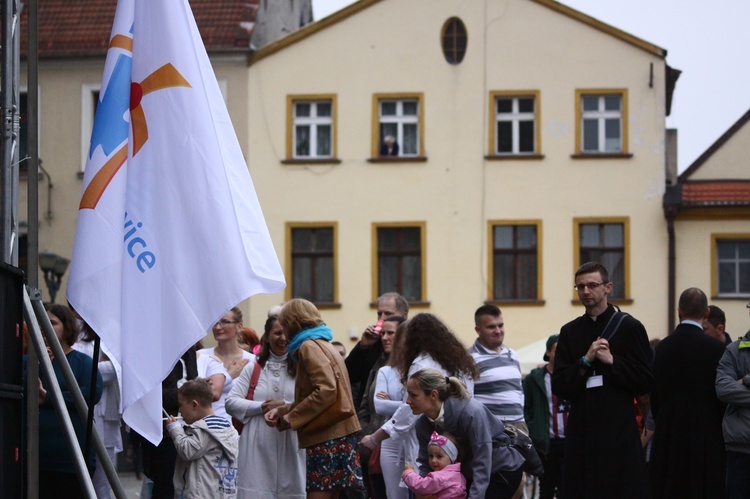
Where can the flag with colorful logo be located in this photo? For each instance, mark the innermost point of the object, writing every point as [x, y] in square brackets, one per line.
[170, 232]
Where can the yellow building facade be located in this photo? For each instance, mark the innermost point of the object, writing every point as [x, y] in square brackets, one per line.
[539, 146]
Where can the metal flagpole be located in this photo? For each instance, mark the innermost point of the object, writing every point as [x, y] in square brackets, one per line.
[10, 107]
[32, 244]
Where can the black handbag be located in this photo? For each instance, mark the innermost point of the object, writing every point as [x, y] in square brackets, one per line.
[521, 441]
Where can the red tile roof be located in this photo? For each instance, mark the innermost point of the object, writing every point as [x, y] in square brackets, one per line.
[716, 193]
[81, 28]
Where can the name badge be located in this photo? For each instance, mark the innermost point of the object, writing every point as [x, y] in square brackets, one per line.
[595, 381]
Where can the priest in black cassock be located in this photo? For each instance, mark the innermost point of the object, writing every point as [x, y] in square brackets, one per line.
[601, 376]
[687, 457]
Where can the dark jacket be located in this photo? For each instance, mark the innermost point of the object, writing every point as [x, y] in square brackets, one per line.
[359, 362]
[687, 458]
[536, 408]
[603, 452]
[735, 365]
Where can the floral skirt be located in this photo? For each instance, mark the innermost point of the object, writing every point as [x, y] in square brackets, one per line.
[334, 465]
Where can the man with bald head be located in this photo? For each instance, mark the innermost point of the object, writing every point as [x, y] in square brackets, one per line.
[688, 457]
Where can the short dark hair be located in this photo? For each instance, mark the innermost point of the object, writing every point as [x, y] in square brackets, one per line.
[716, 316]
[693, 303]
[68, 320]
[492, 310]
[198, 390]
[591, 267]
[402, 306]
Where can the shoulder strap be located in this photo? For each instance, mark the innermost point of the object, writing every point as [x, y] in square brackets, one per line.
[614, 323]
[253, 381]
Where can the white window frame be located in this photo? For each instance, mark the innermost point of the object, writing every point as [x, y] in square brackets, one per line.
[400, 119]
[313, 121]
[736, 260]
[514, 117]
[601, 115]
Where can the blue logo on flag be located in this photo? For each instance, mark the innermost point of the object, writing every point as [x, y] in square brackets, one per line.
[110, 127]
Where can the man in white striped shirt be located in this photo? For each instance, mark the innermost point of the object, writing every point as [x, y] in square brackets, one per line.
[499, 384]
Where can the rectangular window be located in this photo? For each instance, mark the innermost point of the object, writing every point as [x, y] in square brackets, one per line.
[399, 260]
[605, 241]
[732, 265]
[514, 123]
[601, 122]
[515, 264]
[311, 127]
[311, 263]
[399, 126]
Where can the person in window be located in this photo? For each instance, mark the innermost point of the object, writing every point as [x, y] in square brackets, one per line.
[389, 147]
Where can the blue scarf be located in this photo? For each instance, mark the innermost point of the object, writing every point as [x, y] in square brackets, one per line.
[322, 332]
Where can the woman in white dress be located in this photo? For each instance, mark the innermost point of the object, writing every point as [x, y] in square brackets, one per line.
[229, 353]
[270, 462]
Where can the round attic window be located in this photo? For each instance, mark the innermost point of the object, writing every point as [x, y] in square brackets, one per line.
[454, 40]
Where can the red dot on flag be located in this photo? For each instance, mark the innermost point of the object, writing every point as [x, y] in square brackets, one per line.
[136, 94]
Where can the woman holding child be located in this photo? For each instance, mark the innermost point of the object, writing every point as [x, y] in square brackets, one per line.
[445, 406]
[429, 343]
[322, 412]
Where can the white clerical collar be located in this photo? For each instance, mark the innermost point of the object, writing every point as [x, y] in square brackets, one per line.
[694, 323]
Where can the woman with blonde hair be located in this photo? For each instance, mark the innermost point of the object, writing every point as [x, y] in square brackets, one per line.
[323, 411]
[229, 355]
[492, 466]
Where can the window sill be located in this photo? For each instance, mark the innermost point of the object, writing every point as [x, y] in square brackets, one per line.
[516, 303]
[414, 304]
[327, 305]
[505, 157]
[741, 297]
[602, 155]
[398, 159]
[311, 161]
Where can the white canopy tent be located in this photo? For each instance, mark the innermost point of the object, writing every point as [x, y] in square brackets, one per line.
[531, 355]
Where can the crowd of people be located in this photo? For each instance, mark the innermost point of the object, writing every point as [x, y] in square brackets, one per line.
[412, 412]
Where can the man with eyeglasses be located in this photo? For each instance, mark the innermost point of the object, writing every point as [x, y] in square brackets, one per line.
[600, 368]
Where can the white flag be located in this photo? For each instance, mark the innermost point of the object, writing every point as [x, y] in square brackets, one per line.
[170, 233]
